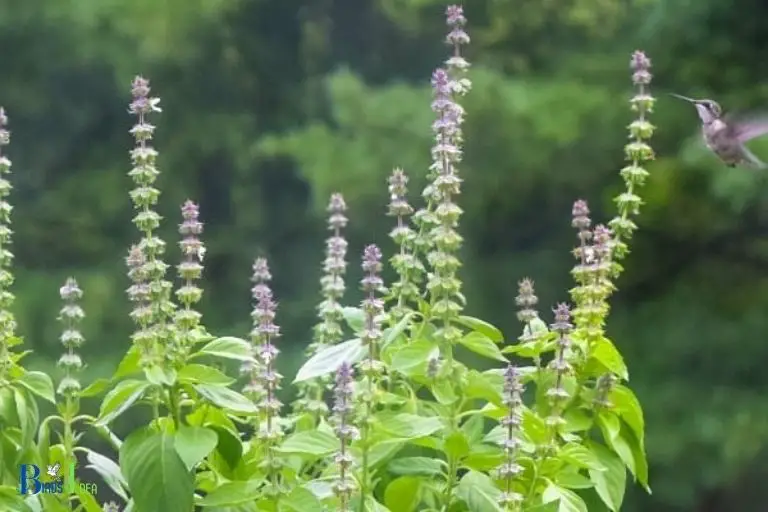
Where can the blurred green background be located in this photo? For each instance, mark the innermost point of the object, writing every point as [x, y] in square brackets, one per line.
[271, 105]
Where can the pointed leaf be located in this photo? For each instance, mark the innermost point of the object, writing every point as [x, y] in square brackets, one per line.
[109, 471]
[227, 347]
[330, 358]
[316, 443]
[39, 383]
[120, 399]
[156, 475]
[232, 493]
[481, 344]
[569, 500]
[193, 444]
[478, 492]
[482, 327]
[227, 399]
[611, 483]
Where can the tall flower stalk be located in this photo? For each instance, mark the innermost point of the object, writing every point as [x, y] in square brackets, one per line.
[509, 499]
[346, 431]
[70, 316]
[408, 267]
[8, 338]
[144, 173]
[638, 152]
[187, 319]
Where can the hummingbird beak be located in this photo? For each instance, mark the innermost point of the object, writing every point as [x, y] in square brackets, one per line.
[686, 98]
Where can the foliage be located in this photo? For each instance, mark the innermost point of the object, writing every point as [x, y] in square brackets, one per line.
[411, 427]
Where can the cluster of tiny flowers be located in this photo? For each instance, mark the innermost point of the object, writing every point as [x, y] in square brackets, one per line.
[510, 469]
[437, 237]
[255, 368]
[557, 394]
[372, 306]
[71, 315]
[191, 268]
[603, 388]
[408, 267]
[145, 196]
[593, 272]
[346, 432]
[110, 506]
[141, 313]
[637, 151]
[329, 331]
[7, 320]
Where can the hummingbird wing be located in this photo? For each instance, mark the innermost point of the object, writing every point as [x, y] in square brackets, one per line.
[748, 128]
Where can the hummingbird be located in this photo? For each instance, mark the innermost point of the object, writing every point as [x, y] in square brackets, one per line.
[725, 135]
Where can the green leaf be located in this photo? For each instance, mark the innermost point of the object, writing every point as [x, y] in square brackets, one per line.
[156, 475]
[628, 407]
[108, 471]
[611, 483]
[193, 444]
[300, 500]
[478, 492]
[456, 445]
[96, 388]
[621, 439]
[403, 494]
[413, 355]
[120, 399]
[28, 414]
[130, 363]
[11, 500]
[552, 506]
[389, 335]
[203, 374]
[581, 457]
[482, 327]
[231, 493]
[330, 358]
[227, 347]
[38, 383]
[608, 355]
[481, 344]
[355, 318]
[315, 442]
[410, 426]
[226, 399]
[426, 466]
[570, 478]
[160, 376]
[569, 500]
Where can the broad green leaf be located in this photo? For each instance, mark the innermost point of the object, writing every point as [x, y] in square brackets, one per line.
[389, 335]
[300, 500]
[226, 399]
[130, 363]
[156, 475]
[355, 318]
[11, 500]
[484, 457]
[160, 376]
[203, 374]
[580, 456]
[410, 426]
[227, 347]
[315, 443]
[413, 355]
[442, 390]
[330, 359]
[95, 388]
[28, 413]
[569, 500]
[403, 494]
[478, 492]
[456, 445]
[487, 386]
[611, 483]
[109, 471]
[552, 506]
[426, 466]
[608, 355]
[38, 383]
[628, 407]
[232, 493]
[483, 327]
[481, 344]
[120, 399]
[193, 444]
[229, 447]
[570, 478]
[87, 500]
[621, 439]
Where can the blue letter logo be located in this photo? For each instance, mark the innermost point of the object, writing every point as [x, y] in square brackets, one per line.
[25, 478]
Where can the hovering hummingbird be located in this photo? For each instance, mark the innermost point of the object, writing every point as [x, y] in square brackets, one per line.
[725, 135]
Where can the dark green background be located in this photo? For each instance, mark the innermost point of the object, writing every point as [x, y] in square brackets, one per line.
[270, 105]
